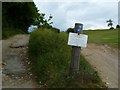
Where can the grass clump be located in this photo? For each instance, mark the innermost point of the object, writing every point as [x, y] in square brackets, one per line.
[50, 56]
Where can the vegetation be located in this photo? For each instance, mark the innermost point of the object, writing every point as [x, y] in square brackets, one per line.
[48, 50]
[18, 16]
[15, 15]
[110, 23]
[117, 26]
[15, 19]
[100, 36]
[50, 56]
[70, 30]
[109, 37]
[41, 22]
[8, 32]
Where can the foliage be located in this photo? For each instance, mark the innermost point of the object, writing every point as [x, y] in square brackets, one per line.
[111, 28]
[18, 14]
[50, 56]
[110, 23]
[87, 77]
[41, 22]
[8, 32]
[48, 53]
[70, 30]
[55, 30]
[117, 26]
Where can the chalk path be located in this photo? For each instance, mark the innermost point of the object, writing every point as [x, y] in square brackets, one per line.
[16, 72]
[105, 60]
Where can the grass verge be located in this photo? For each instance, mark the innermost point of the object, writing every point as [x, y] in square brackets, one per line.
[50, 56]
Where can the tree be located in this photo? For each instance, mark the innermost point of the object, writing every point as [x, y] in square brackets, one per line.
[118, 26]
[110, 23]
[41, 22]
[19, 14]
[23, 14]
[70, 30]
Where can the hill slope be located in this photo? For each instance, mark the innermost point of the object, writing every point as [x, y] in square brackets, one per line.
[109, 37]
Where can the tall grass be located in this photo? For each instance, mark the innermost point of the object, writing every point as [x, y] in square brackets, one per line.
[51, 56]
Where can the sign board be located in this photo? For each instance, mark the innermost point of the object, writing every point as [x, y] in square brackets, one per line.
[77, 40]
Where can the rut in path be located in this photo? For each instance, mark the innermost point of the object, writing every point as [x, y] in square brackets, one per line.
[105, 60]
[15, 70]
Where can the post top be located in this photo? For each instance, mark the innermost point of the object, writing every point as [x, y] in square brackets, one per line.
[78, 24]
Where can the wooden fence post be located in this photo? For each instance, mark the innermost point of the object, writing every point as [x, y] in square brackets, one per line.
[74, 67]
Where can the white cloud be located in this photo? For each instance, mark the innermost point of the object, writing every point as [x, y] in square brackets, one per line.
[76, 0]
[92, 14]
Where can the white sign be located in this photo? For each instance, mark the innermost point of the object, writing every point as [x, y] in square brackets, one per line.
[77, 40]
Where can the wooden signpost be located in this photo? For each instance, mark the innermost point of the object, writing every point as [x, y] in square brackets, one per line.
[76, 40]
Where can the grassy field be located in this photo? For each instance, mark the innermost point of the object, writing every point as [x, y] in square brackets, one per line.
[50, 56]
[109, 37]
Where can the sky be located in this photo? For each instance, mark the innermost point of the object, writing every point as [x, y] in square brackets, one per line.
[119, 13]
[91, 13]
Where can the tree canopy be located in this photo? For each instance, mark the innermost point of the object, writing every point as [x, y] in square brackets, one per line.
[110, 23]
[18, 14]
[41, 22]
[70, 30]
[22, 14]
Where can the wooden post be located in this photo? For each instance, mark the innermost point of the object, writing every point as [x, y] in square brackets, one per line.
[74, 68]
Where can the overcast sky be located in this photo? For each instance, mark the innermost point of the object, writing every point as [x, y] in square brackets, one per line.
[92, 14]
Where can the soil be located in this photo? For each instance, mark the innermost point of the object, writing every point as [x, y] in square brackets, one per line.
[16, 72]
[105, 60]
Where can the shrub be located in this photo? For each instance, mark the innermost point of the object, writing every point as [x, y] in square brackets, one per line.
[118, 26]
[70, 30]
[111, 28]
[50, 54]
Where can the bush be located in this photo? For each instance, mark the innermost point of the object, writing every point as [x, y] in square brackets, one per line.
[118, 26]
[50, 55]
[111, 28]
[56, 30]
[70, 30]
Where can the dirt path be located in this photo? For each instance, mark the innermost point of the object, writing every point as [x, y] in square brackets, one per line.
[105, 60]
[16, 74]
[15, 65]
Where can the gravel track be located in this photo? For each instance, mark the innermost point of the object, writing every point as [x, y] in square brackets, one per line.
[105, 60]
[15, 65]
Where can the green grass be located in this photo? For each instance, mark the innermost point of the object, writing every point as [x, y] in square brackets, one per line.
[109, 37]
[8, 32]
[87, 77]
[50, 56]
